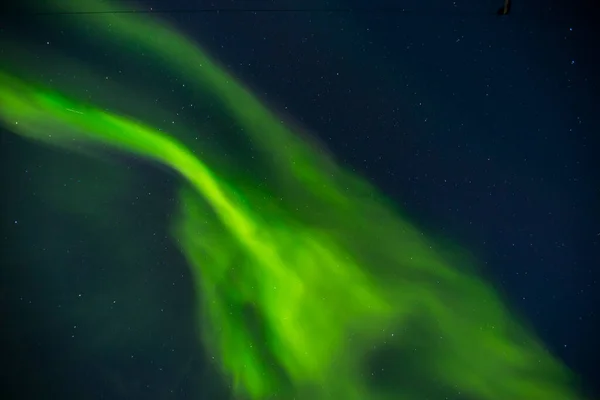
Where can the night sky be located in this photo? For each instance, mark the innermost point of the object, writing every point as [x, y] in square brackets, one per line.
[482, 128]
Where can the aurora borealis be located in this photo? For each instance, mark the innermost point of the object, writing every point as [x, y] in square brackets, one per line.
[303, 270]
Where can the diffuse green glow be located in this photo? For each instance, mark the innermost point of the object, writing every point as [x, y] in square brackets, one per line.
[302, 279]
[281, 264]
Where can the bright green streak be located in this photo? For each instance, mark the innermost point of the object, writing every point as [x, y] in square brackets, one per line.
[299, 282]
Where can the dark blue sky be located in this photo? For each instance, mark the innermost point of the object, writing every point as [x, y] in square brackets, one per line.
[484, 128]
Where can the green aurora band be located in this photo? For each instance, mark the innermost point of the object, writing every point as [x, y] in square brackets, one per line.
[303, 280]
